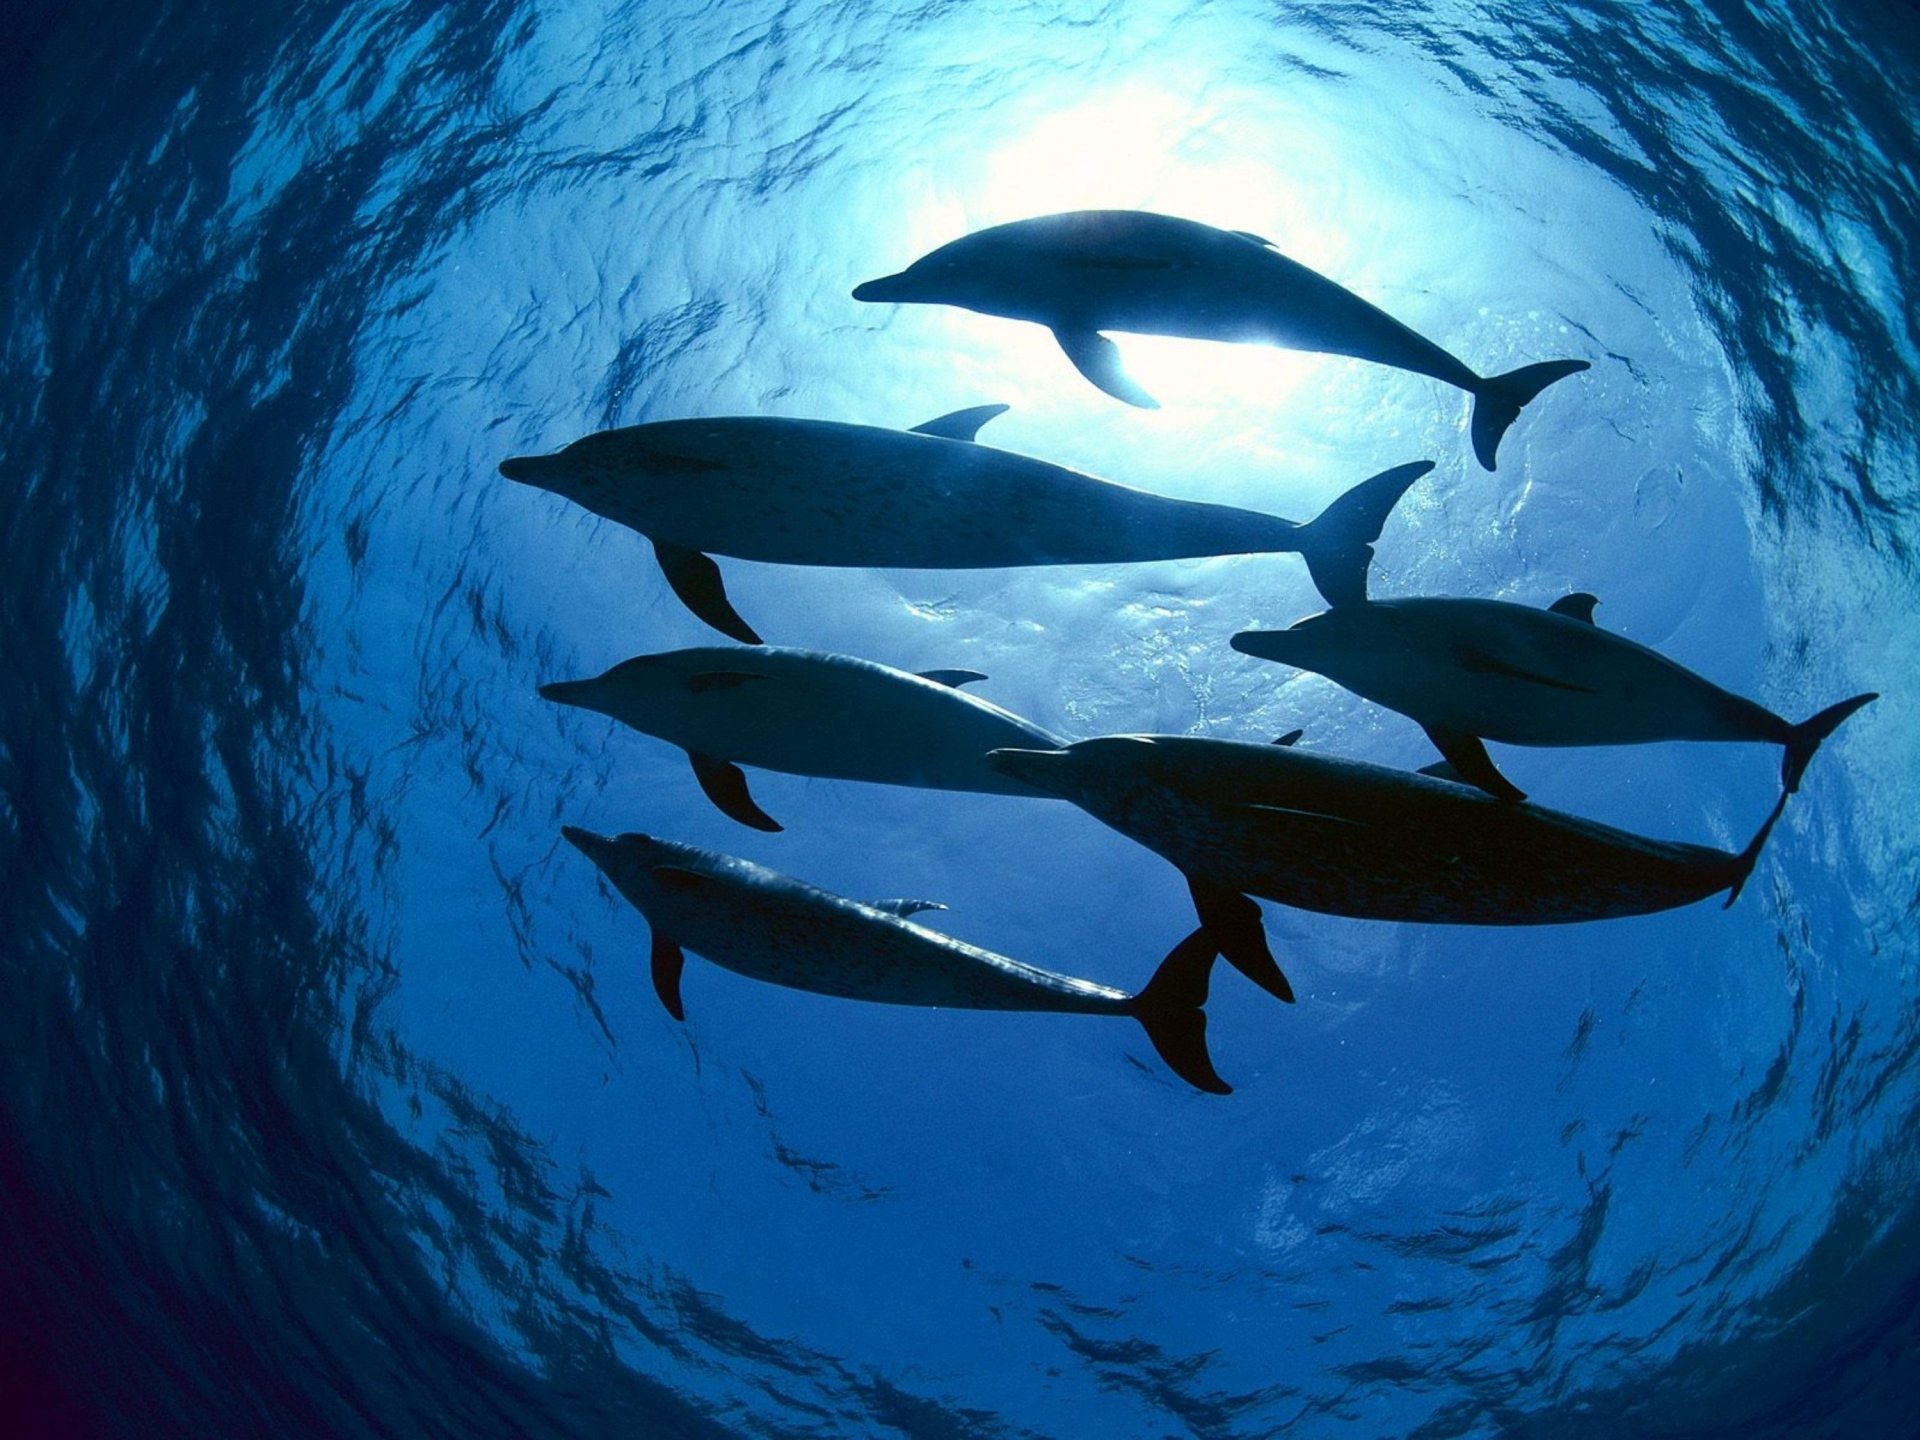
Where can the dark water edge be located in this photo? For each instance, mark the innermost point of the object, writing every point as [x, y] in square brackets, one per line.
[207, 1223]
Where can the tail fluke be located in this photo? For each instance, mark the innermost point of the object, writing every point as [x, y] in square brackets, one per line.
[1808, 734]
[1338, 543]
[1169, 1010]
[1744, 862]
[1497, 403]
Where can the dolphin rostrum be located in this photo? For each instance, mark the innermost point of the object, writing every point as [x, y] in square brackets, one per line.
[1472, 670]
[1345, 837]
[767, 926]
[808, 713]
[1129, 270]
[818, 492]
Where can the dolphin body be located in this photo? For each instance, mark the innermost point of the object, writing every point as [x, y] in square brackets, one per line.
[808, 713]
[767, 926]
[1092, 270]
[1345, 837]
[1472, 670]
[818, 492]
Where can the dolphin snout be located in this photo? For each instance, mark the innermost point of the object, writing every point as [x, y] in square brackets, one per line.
[586, 842]
[527, 469]
[887, 287]
[568, 692]
[605, 850]
[1266, 644]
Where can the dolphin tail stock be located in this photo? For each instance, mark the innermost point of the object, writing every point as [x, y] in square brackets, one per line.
[1805, 738]
[696, 580]
[1337, 544]
[1744, 862]
[1497, 401]
[1169, 1010]
[1234, 923]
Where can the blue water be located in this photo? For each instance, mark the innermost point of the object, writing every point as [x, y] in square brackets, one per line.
[336, 1099]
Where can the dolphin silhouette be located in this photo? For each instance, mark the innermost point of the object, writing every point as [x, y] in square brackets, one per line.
[818, 492]
[1345, 837]
[767, 926]
[1472, 670]
[1092, 270]
[808, 713]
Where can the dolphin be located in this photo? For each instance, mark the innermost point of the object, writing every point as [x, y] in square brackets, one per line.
[767, 926]
[1093, 270]
[818, 492]
[808, 713]
[1345, 837]
[1472, 670]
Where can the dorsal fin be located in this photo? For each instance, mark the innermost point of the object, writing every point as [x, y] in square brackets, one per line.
[961, 424]
[1259, 240]
[1291, 737]
[955, 678]
[1577, 606]
[904, 908]
[1443, 770]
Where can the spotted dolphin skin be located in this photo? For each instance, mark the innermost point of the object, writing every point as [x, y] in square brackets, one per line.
[818, 492]
[1129, 270]
[1473, 670]
[1345, 837]
[768, 926]
[807, 713]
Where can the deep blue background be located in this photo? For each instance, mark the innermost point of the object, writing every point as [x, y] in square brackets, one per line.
[335, 1098]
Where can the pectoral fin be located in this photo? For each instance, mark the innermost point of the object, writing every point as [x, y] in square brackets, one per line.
[668, 961]
[1098, 358]
[961, 424]
[696, 580]
[955, 678]
[726, 786]
[1233, 922]
[1471, 763]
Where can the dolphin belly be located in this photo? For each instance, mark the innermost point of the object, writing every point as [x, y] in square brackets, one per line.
[804, 939]
[820, 493]
[1503, 866]
[915, 744]
[1346, 837]
[1512, 673]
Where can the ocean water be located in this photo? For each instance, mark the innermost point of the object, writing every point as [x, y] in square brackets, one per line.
[336, 1099]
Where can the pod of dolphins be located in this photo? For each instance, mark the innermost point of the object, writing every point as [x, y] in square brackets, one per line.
[1456, 843]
